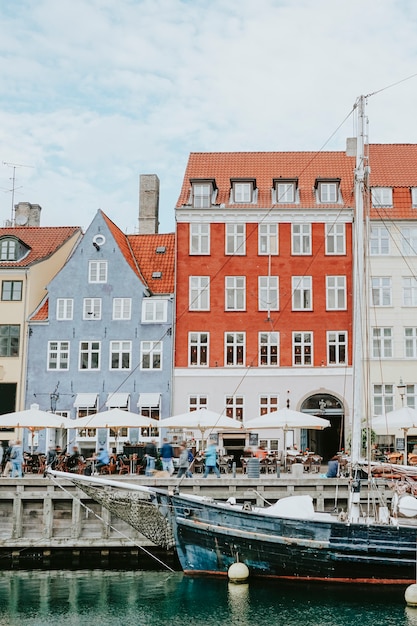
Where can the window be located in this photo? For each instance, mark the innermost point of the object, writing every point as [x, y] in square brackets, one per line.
[92, 309]
[235, 293]
[150, 406]
[235, 239]
[8, 250]
[379, 241]
[337, 347]
[243, 191]
[154, 311]
[335, 239]
[269, 348]
[381, 290]
[198, 349]
[11, 290]
[409, 291]
[202, 194]
[285, 191]
[335, 293]
[410, 340]
[234, 407]
[58, 355]
[409, 240]
[197, 402]
[122, 308]
[235, 348]
[328, 191]
[9, 340]
[381, 197]
[268, 293]
[120, 355]
[383, 399]
[302, 293]
[199, 238]
[382, 343]
[64, 309]
[151, 355]
[268, 404]
[199, 293]
[411, 396]
[97, 271]
[414, 197]
[89, 355]
[268, 239]
[302, 348]
[301, 238]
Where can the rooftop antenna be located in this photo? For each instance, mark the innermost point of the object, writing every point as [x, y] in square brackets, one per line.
[13, 179]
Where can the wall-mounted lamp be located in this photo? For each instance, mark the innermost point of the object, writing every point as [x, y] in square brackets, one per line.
[401, 389]
[95, 244]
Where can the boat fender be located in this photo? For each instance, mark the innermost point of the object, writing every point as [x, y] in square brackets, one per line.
[411, 595]
[238, 573]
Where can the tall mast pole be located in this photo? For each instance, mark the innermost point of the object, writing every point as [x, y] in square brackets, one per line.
[359, 297]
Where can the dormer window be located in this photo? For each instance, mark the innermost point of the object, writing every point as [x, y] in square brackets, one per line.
[327, 190]
[8, 249]
[381, 197]
[285, 191]
[243, 191]
[414, 197]
[203, 193]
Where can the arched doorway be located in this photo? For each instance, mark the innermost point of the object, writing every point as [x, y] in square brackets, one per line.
[330, 440]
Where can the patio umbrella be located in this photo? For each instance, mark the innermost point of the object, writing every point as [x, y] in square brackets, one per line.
[33, 419]
[202, 420]
[401, 419]
[287, 419]
[114, 418]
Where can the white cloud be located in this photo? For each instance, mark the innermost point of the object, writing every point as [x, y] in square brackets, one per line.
[96, 92]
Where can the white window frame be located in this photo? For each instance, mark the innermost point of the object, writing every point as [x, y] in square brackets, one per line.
[92, 309]
[335, 239]
[411, 396]
[199, 239]
[235, 293]
[64, 309]
[382, 398]
[202, 195]
[198, 349]
[409, 284]
[328, 192]
[234, 349]
[337, 347]
[150, 355]
[92, 350]
[286, 192]
[242, 192]
[379, 241]
[119, 349]
[58, 353]
[268, 293]
[302, 348]
[382, 342]
[199, 293]
[197, 401]
[154, 311]
[381, 291]
[268, 239]
[236, 239]
[336, 293]
[300, 239]
[268, 402]
[302, 293]
[410, 342]
[268, 349]
[409, 240]
[235, 407]
[381, 197]
[97, 272]
[122, 309]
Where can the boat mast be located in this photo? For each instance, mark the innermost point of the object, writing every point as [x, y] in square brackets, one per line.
[359, 297]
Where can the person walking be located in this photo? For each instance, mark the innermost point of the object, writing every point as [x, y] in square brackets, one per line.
[210, 456]
[7, 464]
[167, 453]
[16, 458]
[150, 455]
[184, 463]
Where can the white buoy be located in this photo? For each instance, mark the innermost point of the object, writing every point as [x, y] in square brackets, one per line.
[411, 595]
[238, 573]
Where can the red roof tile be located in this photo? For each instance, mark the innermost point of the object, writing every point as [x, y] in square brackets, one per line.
[42, 313]
[42, 241]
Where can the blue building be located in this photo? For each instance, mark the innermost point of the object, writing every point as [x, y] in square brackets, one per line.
[103, 336]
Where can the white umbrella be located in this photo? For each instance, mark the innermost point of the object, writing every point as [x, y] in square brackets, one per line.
[115, 418]
[33, 418]
[202, 420]
[287, 419]
[401, 419]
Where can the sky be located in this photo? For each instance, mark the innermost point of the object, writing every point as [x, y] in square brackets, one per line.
[94, 93]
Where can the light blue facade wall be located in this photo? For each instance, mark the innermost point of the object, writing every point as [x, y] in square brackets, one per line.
[72, 282]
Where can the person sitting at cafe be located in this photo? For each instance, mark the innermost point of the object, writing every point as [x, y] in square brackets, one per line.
[74, 459]
[261, 453]
[333, 467]
[102, 459]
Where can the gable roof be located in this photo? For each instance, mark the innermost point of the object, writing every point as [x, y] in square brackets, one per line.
[41, 241]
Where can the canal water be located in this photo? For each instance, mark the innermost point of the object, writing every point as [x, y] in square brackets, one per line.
[104, 598]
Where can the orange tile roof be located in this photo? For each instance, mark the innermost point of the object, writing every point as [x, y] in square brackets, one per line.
[42, 313]
[42, 241]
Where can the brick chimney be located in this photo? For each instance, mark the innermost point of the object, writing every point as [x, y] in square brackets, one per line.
[148, 204]
[27, 214]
